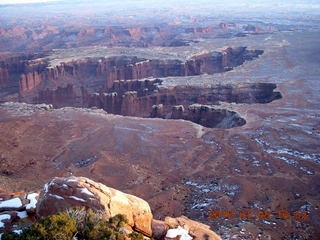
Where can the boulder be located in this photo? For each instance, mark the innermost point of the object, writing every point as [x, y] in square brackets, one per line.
[63, 193]
[196, 230]
[159, 229]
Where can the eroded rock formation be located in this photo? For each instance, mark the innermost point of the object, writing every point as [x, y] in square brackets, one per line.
[113, 84]
[63, 193]
[130, 86]
[100, 73]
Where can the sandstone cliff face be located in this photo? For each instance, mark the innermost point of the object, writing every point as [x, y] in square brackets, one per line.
[100, 74]
[60, 97]
[19, 73]
[4, 76]
[141, 96]
[29, 81]
[129, 86]
[145, 99]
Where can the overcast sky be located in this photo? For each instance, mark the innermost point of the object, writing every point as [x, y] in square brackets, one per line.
[281, 5]
[23, 1]
[264, 2]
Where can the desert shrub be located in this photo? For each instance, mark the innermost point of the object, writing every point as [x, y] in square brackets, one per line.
[118, 221]
[95, 224]
[99, 227]
[136, 236]
[79, 222]
[54, 227]
[10, 236]
[58, 226]
[103, 231]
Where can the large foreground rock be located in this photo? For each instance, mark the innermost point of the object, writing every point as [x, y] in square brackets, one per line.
[63, 193]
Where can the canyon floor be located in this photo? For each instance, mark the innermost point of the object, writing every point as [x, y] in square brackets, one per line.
[269, 165]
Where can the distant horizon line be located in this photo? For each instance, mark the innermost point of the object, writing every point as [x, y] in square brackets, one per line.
[14, 2]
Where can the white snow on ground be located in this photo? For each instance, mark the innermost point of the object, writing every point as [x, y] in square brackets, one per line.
[207, 202]
[22, 214]
[291, 152]
[179, 231]
[86, 191]
[18, 231]
[4, 217]
[72, 180]
[78, 199]
[45, 188]
[33, 200]
[269, 222]
[305, 169]
[12, 203]
[55, 196]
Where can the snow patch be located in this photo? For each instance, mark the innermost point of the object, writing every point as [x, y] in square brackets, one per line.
[46, 187]
[33, 201]
[268, 222]
[207, 202]
[86, 191]
[12, 203]
[305, 169]
[22, 214]
[201, 199]
[4, 217]
[78, 199]
[55, 196]
[306, 207]
[18, 231]
[72, 180]
[288, 160]
[179, 231]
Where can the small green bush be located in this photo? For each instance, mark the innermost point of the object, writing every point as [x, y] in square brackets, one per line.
[118, 221]
[136, 236]
[85, 224]
[98, 227]
[10, 236]
[54, 227]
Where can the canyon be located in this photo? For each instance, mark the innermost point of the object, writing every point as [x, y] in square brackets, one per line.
[131, 86]
[210, 115]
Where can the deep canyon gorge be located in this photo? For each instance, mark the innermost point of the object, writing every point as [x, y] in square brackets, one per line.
[194, 110]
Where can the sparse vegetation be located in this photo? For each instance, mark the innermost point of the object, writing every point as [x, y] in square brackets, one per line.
[55, 227]
[78, 223]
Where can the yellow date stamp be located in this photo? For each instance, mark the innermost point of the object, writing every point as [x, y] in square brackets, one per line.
[257, 214]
